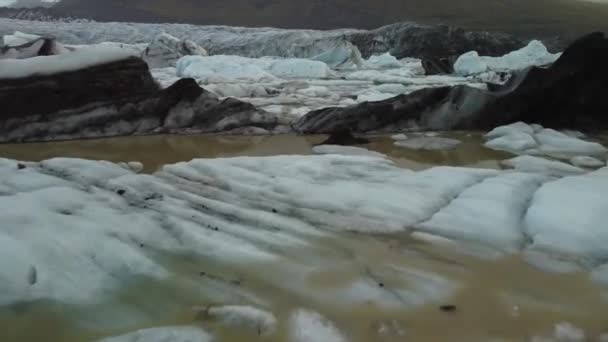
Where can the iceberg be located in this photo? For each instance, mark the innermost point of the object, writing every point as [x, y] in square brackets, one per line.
[534, 54]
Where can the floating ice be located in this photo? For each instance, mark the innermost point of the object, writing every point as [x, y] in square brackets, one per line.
[521, 138]
[428, 143]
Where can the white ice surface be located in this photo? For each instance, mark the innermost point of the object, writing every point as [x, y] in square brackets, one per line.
[310, 326]
[567, 216]
[99, 226]
[164, 334]
[47, 65]
[585, 161]
[534, 54]
[533, 164]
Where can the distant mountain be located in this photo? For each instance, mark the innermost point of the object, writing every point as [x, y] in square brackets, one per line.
[547, 17]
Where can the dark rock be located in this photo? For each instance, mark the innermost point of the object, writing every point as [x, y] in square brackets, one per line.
[20, 166]
[569, 94]
[409, 39]
[120, 192]
[344, 137]
[438, 66]
[403, 111]
[448, 308]
[112, 99]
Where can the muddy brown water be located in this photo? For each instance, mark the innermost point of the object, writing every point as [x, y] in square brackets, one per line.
[498, 300]
[155, 151]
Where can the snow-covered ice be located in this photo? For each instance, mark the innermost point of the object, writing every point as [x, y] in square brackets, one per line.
[534, 54]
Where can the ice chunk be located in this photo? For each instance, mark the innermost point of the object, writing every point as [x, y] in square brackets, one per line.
[75, 60]
[384, 61]
[567, 216]
[559, 144]
[309, 326]
[346, 150]
[585, 161]
[517, 127]
[542, 165]
[534, 54]
[164, 334]
[400, 136]
[19, 38]
[513, 142]
[470, 63]
[428, 143]
[373, 96]
[521, 138]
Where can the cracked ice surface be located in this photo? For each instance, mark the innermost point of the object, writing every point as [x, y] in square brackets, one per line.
[98, 226]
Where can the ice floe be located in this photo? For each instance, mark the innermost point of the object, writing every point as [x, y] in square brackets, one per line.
[521, 138]
[100, 226]
[428, 143]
